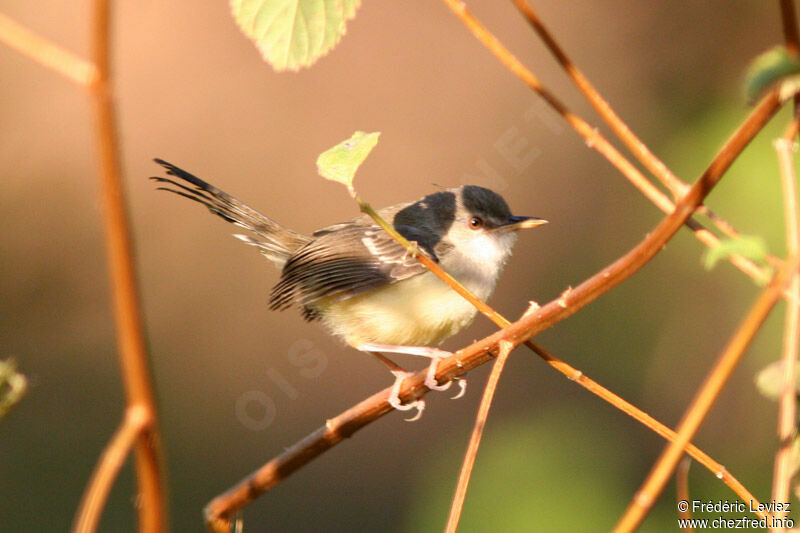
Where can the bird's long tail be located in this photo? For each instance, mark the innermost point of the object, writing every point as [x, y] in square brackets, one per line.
[276, 242]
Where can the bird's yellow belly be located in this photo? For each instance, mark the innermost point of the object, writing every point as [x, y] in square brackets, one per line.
[417, 311]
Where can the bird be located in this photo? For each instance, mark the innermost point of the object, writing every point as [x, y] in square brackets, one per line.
[365, 287]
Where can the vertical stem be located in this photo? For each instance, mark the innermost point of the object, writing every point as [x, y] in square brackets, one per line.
[791, 37]
[475, 440]
[787, 406]
[117, 450]
[133, 358]
[789, 20]
[682, 490]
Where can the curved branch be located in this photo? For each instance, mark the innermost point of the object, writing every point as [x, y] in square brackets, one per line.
[219, 510]
[652, 487]
[107, 469]
[596, 140]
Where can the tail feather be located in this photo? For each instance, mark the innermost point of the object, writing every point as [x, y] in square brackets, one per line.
[279, 242]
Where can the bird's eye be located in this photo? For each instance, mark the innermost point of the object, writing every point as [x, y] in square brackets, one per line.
[476, 223]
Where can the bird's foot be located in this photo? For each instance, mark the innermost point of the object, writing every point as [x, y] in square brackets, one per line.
[394, 396]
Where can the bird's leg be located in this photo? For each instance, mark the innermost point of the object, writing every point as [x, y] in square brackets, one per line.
[399, 376]
[434, 354]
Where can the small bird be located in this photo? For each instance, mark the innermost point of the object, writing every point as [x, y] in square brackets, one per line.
[364, 286]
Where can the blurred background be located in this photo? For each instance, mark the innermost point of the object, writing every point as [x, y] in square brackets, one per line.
[192, 90]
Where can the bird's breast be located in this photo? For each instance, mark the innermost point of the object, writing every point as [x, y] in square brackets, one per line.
[421, 310]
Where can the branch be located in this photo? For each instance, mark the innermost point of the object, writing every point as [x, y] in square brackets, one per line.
[789, 21]
[218, 511]
[96, 77]
[594, 139]
[791, 38]
[682, 491]
[719, 471]
[574, 375]
[46, 53]
[475, 440]
[787, 406]
[634, 144]
[644, 499]
[127, 313]
[107, 469]
[652, 163]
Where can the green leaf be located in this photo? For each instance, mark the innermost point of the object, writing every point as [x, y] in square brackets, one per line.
[752, 247]
[12, 385]
[291, 34]
[341, 162]
[768, 69]
[769, 380]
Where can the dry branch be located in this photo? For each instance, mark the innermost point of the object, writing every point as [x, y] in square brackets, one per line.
[475, 439]
[112, 459]
[46, 53]
[644, 499]
[222, 507]
[787, 401]
[594, 139]
[127, 312]
[656, 167]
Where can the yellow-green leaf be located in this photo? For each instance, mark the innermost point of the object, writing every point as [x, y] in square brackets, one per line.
[292, 34]
[769, 380]
[769, 68]
[12, 385]
[752, 247]
[341, 162]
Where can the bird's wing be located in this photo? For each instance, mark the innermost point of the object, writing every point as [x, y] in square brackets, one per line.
[350, 259]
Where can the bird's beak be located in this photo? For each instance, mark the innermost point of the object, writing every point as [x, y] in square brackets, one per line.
[517, 223]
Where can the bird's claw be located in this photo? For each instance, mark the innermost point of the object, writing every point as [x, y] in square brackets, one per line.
[462, 388]
[433, 384]
[394, 397]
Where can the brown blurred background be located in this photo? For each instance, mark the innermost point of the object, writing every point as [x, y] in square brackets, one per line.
[191, 89]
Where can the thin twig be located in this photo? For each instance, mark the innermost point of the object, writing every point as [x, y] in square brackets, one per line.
[719, 471]
[475, 439]
[219, 510]
[556, 363]
[647, 495]
[127, 313]
[96, 77]
[594, 139]
[787, 403]
[617, 125]
[432, 265]
[791, 38]
[46, 53]
[111, 461]
[222, 508]
[789, 21]
[682, 491]
[571, 373]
